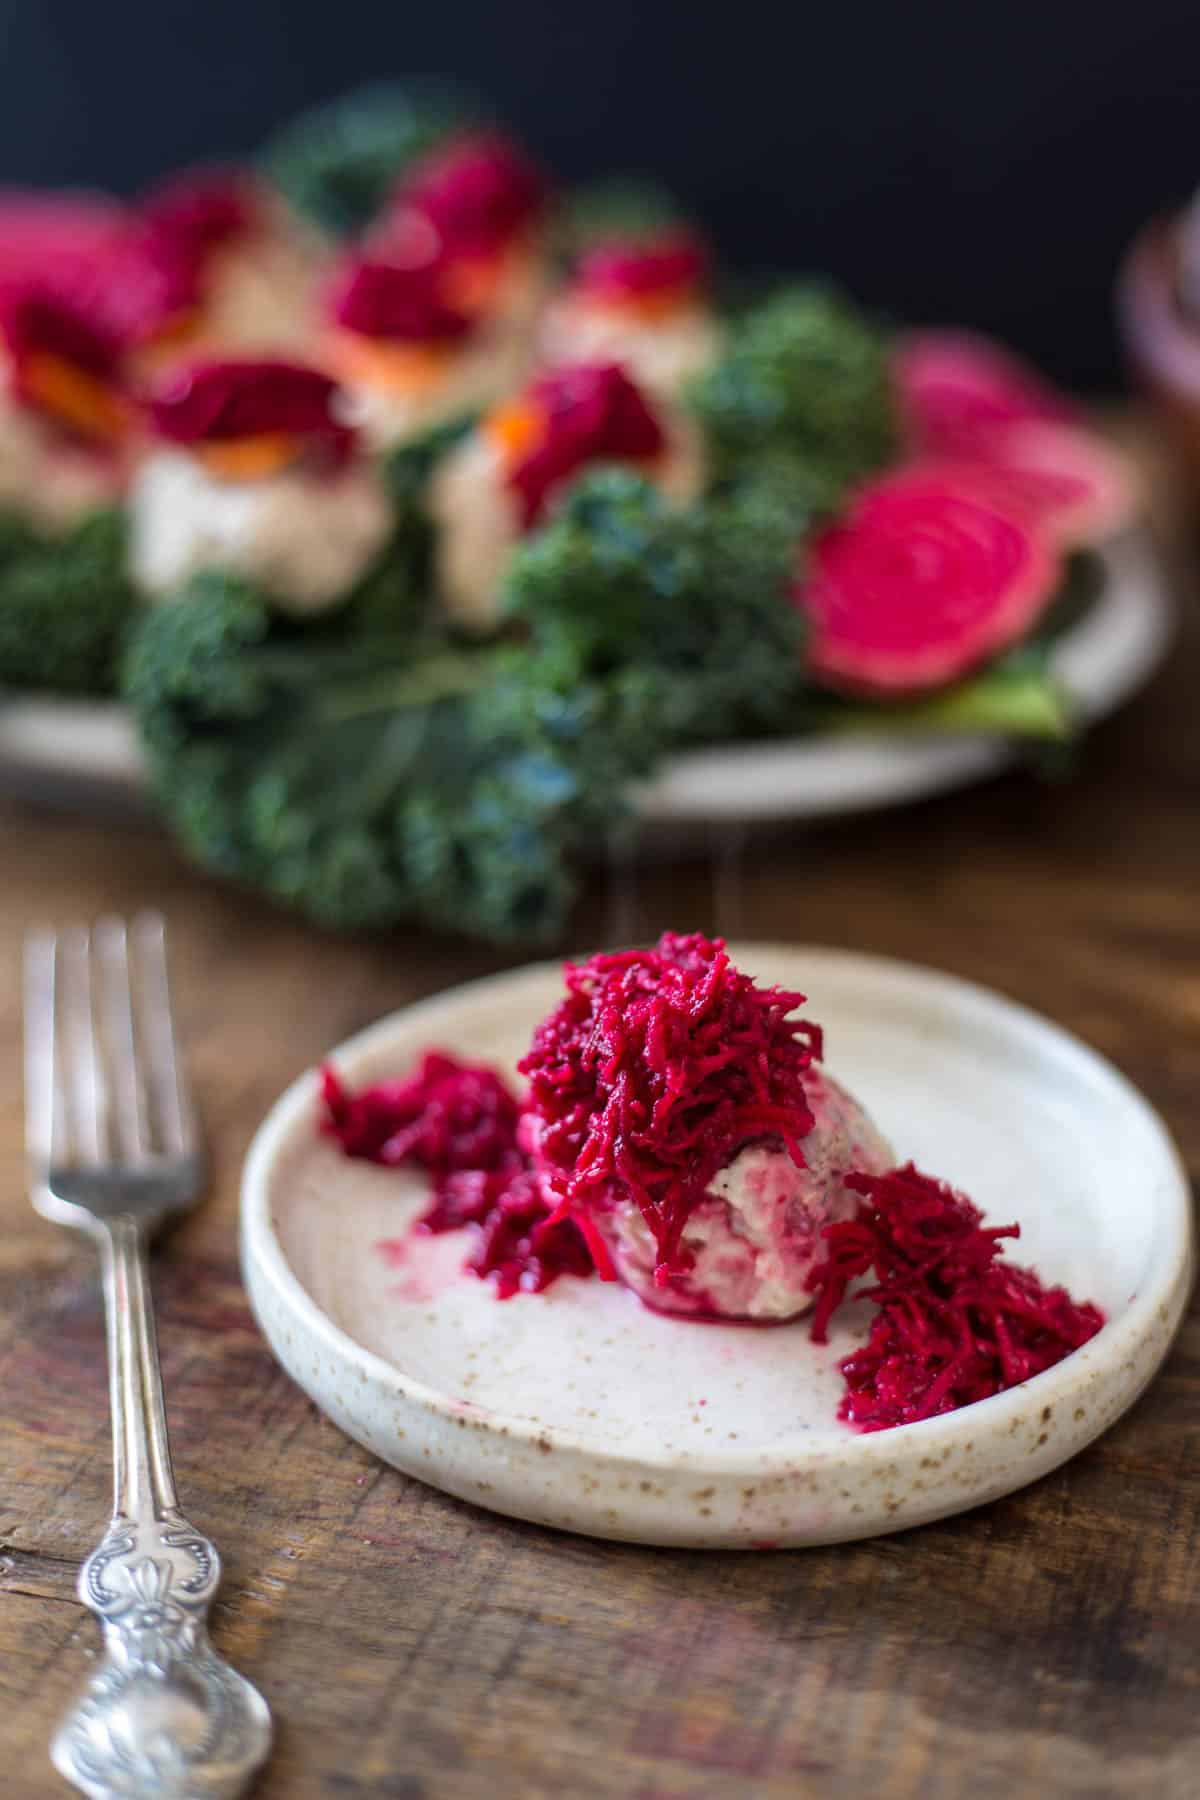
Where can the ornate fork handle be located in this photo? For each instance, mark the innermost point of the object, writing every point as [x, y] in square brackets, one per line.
[164, 1717]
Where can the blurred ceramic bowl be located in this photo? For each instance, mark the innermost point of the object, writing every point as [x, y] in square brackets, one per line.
[1158, 304]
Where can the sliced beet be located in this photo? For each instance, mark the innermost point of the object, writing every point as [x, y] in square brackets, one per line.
[1069, 483]
[920, 581]
[955, 388]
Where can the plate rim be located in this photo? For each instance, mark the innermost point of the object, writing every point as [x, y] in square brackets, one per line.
[1165, 1292]
[674, 800]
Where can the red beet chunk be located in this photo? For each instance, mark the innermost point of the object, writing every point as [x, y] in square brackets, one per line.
[633, 270]
[238, 397]
[41, 318]
[402, 303]
[478, 193]
[584, 413]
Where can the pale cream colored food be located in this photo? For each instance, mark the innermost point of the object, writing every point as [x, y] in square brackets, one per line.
[46, 479]
[752, 1243]
[475, 375]
[262, 296]
[521, 291]
[662, 355]
[263, 289]
[305, 538]
[477, 517]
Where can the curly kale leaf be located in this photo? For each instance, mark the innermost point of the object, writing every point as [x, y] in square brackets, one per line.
[804, 373]
[408, 563]
[685, 606]
[337, 163]
[365, 783]
[367, 778]
[65, 604]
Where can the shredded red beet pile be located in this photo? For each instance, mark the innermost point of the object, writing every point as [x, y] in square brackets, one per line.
[458, 1121]
[956, 1322]
[651, 1074]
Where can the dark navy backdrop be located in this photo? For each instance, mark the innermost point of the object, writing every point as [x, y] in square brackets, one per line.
[946, 159]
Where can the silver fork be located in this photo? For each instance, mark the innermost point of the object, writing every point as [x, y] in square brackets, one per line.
[114, 1151]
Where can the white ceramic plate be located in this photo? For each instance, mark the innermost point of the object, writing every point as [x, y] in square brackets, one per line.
[89, 752]
[578, 1408]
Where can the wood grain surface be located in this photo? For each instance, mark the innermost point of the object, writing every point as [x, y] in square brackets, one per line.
[415, 1648]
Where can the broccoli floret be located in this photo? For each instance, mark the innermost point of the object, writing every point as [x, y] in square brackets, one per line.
[784, 492]
[690, 600]
[64, 606]
[337, 163]
[807, 374]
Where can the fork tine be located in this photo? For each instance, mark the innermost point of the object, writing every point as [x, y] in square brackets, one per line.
[41, 957]
[168, 1086]
[86, 1093]
[116, 1018]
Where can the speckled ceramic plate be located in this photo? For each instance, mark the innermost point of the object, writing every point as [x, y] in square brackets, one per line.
[88, 754]
[578, 1408]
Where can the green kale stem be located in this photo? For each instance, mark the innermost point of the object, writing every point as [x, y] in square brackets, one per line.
[449, 675]
[1012, 702]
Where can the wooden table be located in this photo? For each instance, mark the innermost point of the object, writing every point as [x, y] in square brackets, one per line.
[415, 1648]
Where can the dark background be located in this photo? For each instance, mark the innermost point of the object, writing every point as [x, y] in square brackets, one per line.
[946, 161]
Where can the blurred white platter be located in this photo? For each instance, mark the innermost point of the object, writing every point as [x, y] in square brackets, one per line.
[88, 754]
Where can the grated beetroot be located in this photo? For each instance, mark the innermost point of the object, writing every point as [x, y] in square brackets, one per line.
[458, 1122]
[448, 1116]
[955, 1322]
[652, 1073]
